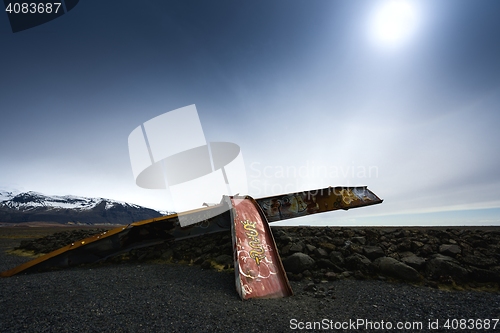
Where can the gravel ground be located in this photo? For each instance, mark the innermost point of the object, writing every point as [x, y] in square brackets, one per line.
[176, 298]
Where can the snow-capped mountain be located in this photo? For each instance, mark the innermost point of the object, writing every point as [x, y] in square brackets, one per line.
[33, 200]
[34, 206]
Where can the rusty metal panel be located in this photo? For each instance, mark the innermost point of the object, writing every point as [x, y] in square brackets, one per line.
[123, 239]
[288, 206]
[258, 269]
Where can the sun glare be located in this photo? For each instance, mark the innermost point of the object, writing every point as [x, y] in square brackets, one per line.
[394, 22]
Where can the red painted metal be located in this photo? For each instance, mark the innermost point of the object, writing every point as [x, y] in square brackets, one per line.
[258, 269]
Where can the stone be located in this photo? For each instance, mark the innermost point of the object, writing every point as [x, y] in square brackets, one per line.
[310, 287]
[209, 247]
[426, 250]
[298, 262]
[443, 257]
[321, 253]
[484, 275]
[297, 247]
[356, 248]
[358, 262]
[405, 245]
[338, 241]
[441, 265]
[406, 254]
[307, 273]
[479, 261]
[373, 252]
[337, 269]
[198, 261]
[327, 246]
[285, 249]
[415, 245]
[392, 267]
[324, 263]
[206, 264]
[359, 240]
[450, 250]
[168, 254]
[359, 275]
[414, 261]
[346, 274]
[310, 248]
[337, 258]
[224, 259]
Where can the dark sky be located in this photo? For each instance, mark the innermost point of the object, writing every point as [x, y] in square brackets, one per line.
[299, 85]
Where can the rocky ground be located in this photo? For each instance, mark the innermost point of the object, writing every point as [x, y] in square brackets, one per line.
[153, 290]
[451, 258]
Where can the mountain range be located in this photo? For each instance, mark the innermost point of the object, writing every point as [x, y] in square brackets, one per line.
[37, 207]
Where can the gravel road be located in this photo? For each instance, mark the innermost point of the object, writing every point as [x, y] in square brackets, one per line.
[176, 298]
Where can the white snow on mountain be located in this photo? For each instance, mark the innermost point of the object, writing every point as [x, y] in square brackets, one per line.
[32, 200]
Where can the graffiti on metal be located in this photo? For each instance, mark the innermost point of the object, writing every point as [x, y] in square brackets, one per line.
[293, 205]
[258, 269]
[257, 251]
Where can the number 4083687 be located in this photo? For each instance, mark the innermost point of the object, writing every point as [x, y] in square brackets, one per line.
[32, 8]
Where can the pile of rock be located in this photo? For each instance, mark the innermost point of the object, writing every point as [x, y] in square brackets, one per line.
[455, 256]
[431, 255]
[56, 241]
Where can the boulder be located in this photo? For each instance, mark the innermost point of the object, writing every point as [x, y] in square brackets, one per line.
[310, 248]
[321, 253]
[225, 260]
[479, 261]
[324, 263]
[358, 262]
[298, 262]
[327, 246]
[415, 245]
[392, 267]
[359, 240]
[414, 261]
[484, 275]
[441, 265]
[281, 236]
[426, 250]
[338, 241]
[373, 252]
[297, 247]
[337, 258]
[450, 250]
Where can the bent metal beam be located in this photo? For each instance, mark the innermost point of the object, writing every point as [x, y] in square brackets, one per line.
[255, 253]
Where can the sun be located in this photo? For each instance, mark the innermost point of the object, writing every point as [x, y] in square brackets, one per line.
[394, 22]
